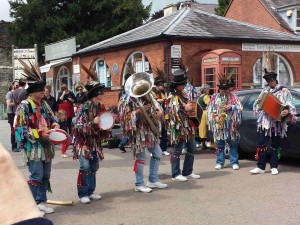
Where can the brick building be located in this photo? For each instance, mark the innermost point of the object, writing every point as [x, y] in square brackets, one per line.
[189, 35]
[6, 70]
[281, 15]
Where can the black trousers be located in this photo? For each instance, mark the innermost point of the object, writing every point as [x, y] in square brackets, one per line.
[11, 117]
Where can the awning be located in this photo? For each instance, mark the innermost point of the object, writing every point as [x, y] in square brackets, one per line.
[47, 67]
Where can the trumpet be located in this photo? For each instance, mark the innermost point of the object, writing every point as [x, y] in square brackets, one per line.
[139, 86]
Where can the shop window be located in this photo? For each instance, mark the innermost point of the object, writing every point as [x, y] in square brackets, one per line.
[136, 62]
[283, 69]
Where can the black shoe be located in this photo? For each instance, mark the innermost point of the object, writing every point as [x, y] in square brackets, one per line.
[122, 149]
[15, 150]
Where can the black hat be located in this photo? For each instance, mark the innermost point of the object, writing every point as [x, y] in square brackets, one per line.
[94, 88]
[159, 81]
[36, 86]
[225, 81]
[179, 78]
[270, 75]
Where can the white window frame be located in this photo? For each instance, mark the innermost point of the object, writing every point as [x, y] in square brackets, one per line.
[278, 57]
[107, 72]
[59, 78]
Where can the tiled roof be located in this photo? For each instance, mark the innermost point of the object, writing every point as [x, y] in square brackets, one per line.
[282, 3]
[194, 24]
[272, 5]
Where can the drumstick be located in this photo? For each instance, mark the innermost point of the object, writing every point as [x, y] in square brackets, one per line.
[60, 202]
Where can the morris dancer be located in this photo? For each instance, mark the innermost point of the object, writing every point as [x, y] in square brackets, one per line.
[269, 130]
[181, 128]
[224, 115]
[160, 97]
[33, 119]
[141, 137]
[87, 141]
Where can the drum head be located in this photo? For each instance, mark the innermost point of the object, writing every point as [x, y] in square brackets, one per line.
[106, 121]
[57, 136]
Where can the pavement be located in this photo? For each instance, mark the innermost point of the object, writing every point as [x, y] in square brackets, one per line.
[218, 197]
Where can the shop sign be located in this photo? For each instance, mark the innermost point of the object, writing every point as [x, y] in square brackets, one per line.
[270, 47]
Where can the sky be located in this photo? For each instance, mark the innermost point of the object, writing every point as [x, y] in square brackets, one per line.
[156, 6]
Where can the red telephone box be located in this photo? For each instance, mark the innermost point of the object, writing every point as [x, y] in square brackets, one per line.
[221, 61]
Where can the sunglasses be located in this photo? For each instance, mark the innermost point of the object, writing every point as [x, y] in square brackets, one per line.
[270, 80]
[79, 89]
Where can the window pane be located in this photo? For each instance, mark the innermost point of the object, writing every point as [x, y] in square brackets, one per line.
[296, 101]
[284, 77]
[249, 103]
[257, 74]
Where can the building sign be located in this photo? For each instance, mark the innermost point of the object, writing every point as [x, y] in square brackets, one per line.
[175, 63]
[270, 47]
[28, 55]
[76, 69]
[230, 59]
[210, 60]
[62, 49]
[176, 51]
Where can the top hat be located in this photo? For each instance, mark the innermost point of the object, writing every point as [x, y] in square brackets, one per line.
[94, 88]
[179, 78]
[269, 75]
[36, 86]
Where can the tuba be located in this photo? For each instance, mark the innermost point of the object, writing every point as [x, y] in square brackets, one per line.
[139, 86]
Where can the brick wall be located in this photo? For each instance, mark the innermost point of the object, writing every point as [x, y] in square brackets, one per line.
[192, 52]
[256, 14]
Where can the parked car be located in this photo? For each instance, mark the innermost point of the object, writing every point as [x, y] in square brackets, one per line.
[248, 143]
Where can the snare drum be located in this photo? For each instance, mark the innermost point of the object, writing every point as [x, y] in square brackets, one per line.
[107, 121]
[57, 136]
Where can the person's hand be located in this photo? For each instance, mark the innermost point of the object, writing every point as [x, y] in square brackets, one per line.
[227, 107]
[55, 126]
[45, 135]
[188, 107]
[71, 99]
[284, 112]
[217, 118]
[96, 120]
[160, 100]
[64, 92]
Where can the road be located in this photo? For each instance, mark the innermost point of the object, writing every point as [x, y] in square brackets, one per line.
[218, 197]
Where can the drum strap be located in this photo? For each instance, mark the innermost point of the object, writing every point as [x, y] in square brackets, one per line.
[135, 168]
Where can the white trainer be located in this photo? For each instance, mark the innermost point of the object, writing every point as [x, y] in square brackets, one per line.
[235, 167]
[143, 189]
[94, 197]
[218, 167]
[184, 151]
[85, 200]
[257, 171]
[157, 184]
[44, 208]
[193, 176]
[180, 178]
[274, 171]
[165, 153]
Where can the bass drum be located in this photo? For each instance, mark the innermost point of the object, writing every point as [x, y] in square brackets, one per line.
[107, 121]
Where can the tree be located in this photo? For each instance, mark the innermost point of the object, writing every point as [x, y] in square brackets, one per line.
[46, 21]
[223, 5]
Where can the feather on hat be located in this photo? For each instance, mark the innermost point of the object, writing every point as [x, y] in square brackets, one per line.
[269, 62]
[33, 77]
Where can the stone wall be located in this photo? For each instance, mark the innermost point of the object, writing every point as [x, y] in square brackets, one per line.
[6, 71]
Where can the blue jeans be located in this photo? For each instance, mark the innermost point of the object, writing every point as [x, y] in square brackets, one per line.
[272, 144]
[188, 159]
[123, 142]
[39, 173]
[86, 183]
[233, 156]
[153, 167]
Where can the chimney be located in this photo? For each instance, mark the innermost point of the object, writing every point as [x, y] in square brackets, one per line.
[169, 9]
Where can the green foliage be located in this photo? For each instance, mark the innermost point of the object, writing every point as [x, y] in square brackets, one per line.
[46, 21]
[223, 5]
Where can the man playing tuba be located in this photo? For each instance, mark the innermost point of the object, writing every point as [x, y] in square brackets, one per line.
[140, 116]
[224, 115]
